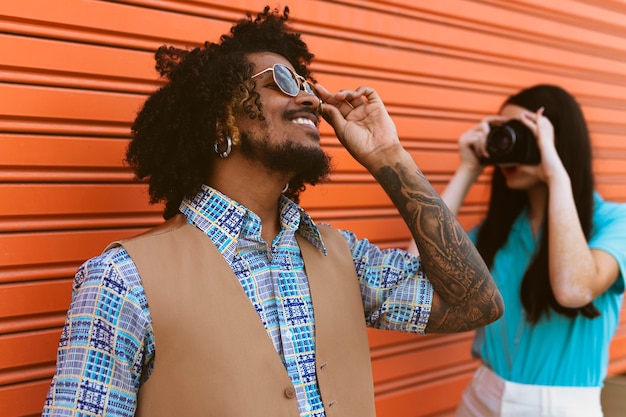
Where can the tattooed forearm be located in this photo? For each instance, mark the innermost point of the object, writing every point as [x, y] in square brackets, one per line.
[466, 296]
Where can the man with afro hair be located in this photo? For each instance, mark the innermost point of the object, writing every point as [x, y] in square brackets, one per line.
[239, 304]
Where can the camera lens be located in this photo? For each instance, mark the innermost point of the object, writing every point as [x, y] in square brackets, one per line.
[501, 140]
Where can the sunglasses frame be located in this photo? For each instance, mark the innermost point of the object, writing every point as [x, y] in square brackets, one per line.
[302, 83]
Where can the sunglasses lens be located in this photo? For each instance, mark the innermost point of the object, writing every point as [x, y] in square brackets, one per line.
[307, 88]
[285, 80]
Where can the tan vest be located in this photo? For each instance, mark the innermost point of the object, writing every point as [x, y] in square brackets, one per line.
[213, 354]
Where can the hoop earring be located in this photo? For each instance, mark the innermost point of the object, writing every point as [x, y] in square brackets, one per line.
[229, 147]
[285, 189]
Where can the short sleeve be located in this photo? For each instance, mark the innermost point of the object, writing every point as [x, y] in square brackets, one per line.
[609, 233]
[396, 293]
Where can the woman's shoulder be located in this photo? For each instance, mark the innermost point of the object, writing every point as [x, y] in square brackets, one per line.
[608, 211]
[609, 226]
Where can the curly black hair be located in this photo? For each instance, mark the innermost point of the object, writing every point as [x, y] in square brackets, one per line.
[173, 135]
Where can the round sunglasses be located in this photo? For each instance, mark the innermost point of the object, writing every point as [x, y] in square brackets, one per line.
[288, 81]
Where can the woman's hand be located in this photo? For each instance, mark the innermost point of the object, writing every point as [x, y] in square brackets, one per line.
[551, 165]
[472, 147]
[473, 143]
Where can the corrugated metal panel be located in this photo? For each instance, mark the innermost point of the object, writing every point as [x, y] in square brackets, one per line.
[74, 72]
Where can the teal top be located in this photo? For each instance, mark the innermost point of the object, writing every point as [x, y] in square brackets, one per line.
[558, 350]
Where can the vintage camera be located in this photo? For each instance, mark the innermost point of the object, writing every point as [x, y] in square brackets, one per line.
[511, 142]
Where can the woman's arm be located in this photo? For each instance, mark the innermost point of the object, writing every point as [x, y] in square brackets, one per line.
[578, 274]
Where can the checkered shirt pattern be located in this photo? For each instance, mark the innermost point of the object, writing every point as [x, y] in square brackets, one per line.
[106, 350]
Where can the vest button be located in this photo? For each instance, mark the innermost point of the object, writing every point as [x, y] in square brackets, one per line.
[290, 392]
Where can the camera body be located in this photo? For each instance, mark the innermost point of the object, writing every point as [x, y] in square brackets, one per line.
[511, 142]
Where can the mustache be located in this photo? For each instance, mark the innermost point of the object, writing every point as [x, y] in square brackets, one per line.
[292, 114]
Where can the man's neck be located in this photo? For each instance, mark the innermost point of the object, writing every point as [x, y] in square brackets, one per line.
[252, 187]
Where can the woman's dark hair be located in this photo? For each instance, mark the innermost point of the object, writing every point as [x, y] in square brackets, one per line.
[174, 133]
[574, 148]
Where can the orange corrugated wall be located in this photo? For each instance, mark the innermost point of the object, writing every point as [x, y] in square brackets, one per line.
[74, 72]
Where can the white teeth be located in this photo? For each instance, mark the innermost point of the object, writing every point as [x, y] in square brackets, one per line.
[303, 121]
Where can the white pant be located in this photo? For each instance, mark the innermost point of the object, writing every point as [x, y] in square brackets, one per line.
[488, 395]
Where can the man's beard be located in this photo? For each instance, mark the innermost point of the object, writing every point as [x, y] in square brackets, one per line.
[306, 164]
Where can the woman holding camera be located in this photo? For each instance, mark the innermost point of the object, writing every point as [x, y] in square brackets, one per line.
[557, 251]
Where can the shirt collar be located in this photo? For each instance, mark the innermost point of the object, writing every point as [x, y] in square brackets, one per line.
[224, 220]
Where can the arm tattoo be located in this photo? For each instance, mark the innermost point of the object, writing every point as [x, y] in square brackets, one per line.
[468, 297]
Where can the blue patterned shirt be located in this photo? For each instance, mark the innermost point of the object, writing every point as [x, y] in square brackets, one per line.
[107, 349]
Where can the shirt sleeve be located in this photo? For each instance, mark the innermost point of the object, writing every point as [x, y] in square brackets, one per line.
[609, 234]
[396, 293]
[106, 347]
